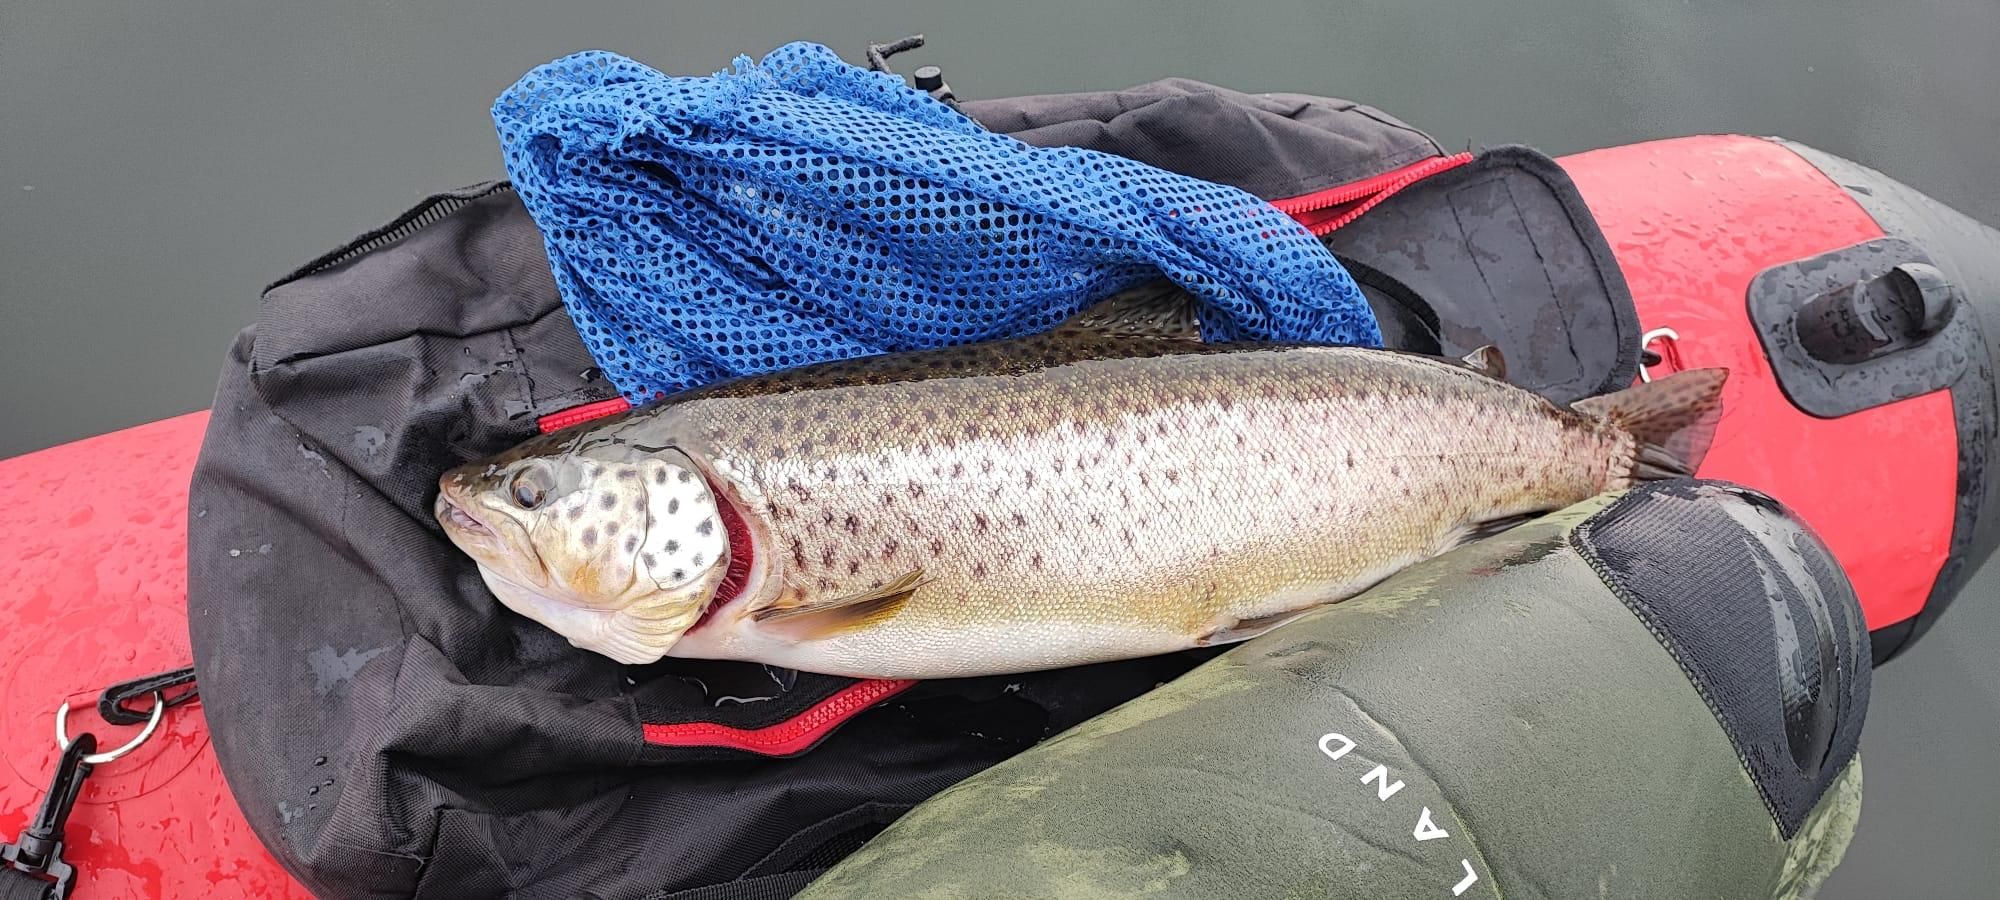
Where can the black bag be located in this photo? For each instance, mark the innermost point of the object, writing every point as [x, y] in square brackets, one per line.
[391, 730]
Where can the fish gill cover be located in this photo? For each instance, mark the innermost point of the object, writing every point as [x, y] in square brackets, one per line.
[803, 209]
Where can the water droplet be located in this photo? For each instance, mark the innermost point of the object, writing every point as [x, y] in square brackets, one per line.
[471, 378]
[27, 187]
[320, 761]
[326, 783]
[369, 439]
[312, 790]
[201, 514]
[312, 806]
[235, 552]
[264, 549]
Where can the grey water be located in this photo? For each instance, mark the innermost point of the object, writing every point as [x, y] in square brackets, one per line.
[159, 162]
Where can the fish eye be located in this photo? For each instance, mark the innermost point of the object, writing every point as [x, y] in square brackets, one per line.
[530, 488]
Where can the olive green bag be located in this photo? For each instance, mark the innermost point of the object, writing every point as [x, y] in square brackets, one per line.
[1651, 695]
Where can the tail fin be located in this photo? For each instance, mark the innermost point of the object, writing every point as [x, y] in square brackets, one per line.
[1673, 420]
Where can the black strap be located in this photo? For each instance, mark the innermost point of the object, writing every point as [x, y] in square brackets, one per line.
[112, 704]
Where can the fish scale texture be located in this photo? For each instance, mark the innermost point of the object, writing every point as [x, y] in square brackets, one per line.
[802, 209]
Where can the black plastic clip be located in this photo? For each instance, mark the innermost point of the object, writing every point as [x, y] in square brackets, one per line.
[37, 854]
[112, 708]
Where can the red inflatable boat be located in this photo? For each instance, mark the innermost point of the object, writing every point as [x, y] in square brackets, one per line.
[1846, 304]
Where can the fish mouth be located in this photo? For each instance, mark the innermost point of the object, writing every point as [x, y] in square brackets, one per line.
[454, 516]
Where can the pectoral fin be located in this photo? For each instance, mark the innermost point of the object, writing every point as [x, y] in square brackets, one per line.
[827, 618]
[1245, 629]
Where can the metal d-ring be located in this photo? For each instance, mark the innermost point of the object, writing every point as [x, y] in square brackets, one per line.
[1646, 340]
[98, 759]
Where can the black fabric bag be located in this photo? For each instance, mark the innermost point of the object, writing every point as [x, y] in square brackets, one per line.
[390, 730]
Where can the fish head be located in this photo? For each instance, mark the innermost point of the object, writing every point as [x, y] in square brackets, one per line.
[620, 552]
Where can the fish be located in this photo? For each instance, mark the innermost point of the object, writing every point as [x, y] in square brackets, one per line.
[1102, 491]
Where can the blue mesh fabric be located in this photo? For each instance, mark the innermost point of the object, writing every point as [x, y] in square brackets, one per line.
[803, 209]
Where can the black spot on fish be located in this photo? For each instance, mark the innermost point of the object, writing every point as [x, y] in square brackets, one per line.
[1224, 402]
[1020, 519]
[826, 557]
[979, 522]
[1173, 476]
[631, 543]
[853, 524]
[673, 506]
[673, 546]
[590, 536]
[638, 504]
[957, 469]
[916, 490]
[979, 570]
[660, 476]
[696, 561]
[611, 528]
[576, 512]
[1126, 533]
[607, 501]
[1036, 561]
[889, 549]
[937, 547]
[677, 575]
[649, 559]
[683, 476]
[1350, 459]
[854, 567]
[1395, 471]
[706, 526]
[628, 475]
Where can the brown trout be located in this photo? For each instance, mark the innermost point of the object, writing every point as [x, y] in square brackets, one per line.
[1075, 497]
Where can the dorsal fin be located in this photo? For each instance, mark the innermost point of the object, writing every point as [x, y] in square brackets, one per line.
[826, 618]
[1487, 361]
[1154, 310]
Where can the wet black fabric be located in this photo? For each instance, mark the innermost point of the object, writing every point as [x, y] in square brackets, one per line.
[1272, 145]
[1752, 605]
[1502, 251]
[391, 731]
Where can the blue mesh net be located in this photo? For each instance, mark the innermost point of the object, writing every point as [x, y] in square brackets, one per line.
[803, 209]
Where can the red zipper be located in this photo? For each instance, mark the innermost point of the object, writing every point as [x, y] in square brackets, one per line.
[785, 738]
[1324, 211]
[561, 419]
